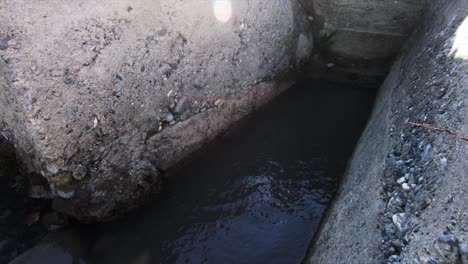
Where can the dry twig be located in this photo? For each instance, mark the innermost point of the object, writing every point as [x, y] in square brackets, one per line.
[440, 129]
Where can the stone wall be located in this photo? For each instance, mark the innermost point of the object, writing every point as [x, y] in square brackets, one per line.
[404, 197]
[103, 96]
[356, 41]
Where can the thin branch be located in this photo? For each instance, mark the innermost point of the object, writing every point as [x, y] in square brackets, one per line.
[440, 129]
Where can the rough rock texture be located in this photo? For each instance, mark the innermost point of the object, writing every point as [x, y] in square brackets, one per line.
[103, 95]
[356, 41]
[404, 197]
[366, 29]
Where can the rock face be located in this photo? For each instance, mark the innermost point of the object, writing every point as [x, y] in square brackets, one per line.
[102, 96]
[367, 29]
[404, 197]
[359, 38]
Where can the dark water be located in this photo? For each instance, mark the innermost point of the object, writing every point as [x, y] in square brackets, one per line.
[256, 196]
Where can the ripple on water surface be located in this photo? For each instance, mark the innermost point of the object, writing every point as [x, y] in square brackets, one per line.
[254, 216]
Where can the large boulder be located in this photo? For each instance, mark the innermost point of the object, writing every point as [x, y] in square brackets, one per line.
[102, 96]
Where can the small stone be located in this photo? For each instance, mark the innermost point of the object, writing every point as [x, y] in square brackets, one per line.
[161, 32]
[169, 117]
[330, 65]
[150, 38]
[398, 220]
[219, 102]
[129, 8]
[52, 170]
[65, 192]
[426, 203]
[463, 249]
[118, 76]
[443, 161]
[394, 259]
[406, 186]
[397, 244]
[3, 43]
[80, 172]
[182, 106]
[449, 239]
[426, 152]
[402, 179]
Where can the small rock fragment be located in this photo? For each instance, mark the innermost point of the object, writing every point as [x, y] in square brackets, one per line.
[219, 102]
[398, 220]
[402, 179]
[394, 259]
[169, 117]
[406, 186]
[463, 249]
[3, 43]
[397, 244]
[181, 106]
[426, 152]
[449, 239]
[80, 172]
[65, 192]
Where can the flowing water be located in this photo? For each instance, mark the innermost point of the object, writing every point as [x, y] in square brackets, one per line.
[255, 196]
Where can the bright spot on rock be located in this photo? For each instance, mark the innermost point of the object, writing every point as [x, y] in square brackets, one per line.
[222, 10]
[460, 45]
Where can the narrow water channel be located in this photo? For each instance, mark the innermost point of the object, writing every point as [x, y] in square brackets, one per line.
[256, 196]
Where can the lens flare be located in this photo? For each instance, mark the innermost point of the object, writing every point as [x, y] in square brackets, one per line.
[222, 10]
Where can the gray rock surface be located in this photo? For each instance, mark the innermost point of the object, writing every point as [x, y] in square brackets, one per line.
[366, 29]
[86, 87]
[404, 198]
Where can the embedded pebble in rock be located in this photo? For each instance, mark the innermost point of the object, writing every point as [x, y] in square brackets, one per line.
[169, 117]
[394, 259]
[182, 106]
[426, 152]
[447, 239]
[463, 249]
[402, 179]
[398, 220]
[397, 244]
[80, 172]
[406, 186]
[3, 43]
[443, 161]
[66, 193]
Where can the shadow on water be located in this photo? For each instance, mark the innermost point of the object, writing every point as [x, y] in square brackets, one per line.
[256, 196]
